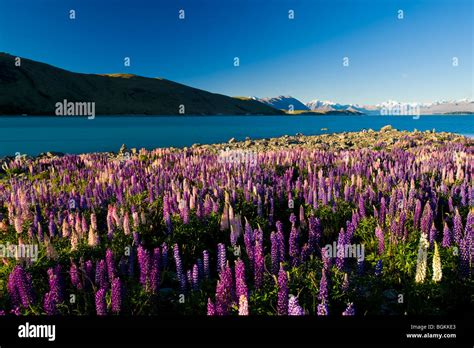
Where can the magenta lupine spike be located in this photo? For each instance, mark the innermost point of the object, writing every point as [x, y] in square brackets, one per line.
[240, 279]
[101, 279]
[258, 265]
[211, 309]
[56, 284]
[117, 295]
[282, 303]
[100, 304]
[155, 271]
[49, 304]
[75, 279]
[294, 307]
[144, 264]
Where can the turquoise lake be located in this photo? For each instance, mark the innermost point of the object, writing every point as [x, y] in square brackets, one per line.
[33, 135]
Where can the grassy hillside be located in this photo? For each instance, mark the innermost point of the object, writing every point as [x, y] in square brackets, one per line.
[35, 88]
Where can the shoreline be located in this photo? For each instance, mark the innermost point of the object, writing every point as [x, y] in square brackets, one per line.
[386, 138]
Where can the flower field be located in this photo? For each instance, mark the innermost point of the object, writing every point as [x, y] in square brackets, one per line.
[179, 231]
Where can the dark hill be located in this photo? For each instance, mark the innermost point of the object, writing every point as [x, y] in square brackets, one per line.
[35, 88]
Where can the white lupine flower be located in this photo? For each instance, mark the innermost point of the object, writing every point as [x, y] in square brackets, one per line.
[243, 305]
[422, 259]
[437, 273]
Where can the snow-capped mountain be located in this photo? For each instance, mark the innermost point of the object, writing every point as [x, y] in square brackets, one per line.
[392, 107]
[283, 102]
[326, 105]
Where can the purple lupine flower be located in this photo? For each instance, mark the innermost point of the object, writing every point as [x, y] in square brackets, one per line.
[457, 227]
[12, 290]
[117, 295]
[49, 304]
[381, 239]
[211, 309]
[293, 218]
[323, 309]
[465, 266]
[426, 219]
[294, 307]
[195, 277]
[89, 273]
[282, 303]
[55, 284]
[249, 242]
[378, 268]
[349, 310]
[314, 233]
[179, 268]
[275, 250]
[446, 236]
[326, 258]
[144, 264]
[340, 260]
[258, 265]
[323, 287]
[101, 279]
[189, 277]
[293, 245]
[205, 256]
[155, 271]
[100, 304]
[109, 259]
[23, 286]
[240, 281]
[223, 297]
[221, 257]
[74, 274]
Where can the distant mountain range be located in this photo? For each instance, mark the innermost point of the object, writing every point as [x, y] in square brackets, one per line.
[35, 88]
[390, 107]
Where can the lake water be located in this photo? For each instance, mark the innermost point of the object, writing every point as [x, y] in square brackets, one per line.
[33, 135]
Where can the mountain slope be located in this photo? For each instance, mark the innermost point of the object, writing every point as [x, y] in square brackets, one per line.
[35, 88]
[283, 103]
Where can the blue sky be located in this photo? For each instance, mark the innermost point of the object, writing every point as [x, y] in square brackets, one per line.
[405, 60]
